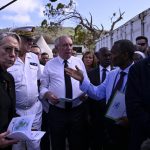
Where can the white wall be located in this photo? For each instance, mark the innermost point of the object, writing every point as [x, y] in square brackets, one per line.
[130, 30]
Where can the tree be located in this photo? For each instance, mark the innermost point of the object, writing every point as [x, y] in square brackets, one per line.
[85, 31]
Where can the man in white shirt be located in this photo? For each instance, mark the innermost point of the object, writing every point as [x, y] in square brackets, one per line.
[44, 58]
[66, 110]
[45, 141]
[26, 72]
[36, 50]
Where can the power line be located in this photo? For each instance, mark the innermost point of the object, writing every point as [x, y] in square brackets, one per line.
[7, 4]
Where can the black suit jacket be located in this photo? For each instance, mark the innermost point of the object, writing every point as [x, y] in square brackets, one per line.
[94, 76]
[96, 108]
[7, 99]
[138, 102]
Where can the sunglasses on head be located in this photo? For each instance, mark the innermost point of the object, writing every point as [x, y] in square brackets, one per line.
[141, 44]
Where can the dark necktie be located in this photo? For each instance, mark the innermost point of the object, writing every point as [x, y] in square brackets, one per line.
[120, 82]
[118, 87]
[68, 86]
[104, 74]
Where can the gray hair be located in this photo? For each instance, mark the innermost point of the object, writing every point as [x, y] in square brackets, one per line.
[58, 40]
[11, 34]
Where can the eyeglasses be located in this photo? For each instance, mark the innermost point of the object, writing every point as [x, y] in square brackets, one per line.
[9, 50]
[141, 44]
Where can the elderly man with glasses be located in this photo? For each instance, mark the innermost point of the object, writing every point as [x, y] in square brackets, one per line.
[9, 49]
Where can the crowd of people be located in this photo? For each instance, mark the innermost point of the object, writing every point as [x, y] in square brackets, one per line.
[72, 98]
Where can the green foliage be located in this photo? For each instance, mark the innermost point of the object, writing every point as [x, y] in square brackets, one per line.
[60, 6]
[85, 31]
[83, 36]
[80, 35]
[48, 5]
[54, 32]
[44, 23]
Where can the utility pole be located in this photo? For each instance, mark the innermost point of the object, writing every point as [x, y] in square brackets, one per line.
[7, 4]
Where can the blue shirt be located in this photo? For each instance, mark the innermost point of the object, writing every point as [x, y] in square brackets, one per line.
[104, 90]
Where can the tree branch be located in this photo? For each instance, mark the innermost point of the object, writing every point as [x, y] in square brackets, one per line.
[117, 20]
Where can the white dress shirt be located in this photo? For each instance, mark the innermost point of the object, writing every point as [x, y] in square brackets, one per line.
[42, 68]
[26, 76]
[53, 77]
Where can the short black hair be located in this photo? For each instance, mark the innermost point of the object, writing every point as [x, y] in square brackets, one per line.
[35, 45]
[125, 46]
[142, 37]
[103, 49]
[44, 53]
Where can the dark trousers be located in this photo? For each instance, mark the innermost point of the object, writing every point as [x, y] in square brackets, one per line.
[68, 124]
[95, 113]
[116, 136]
[45, 141]
[7, 148]
[138, 135]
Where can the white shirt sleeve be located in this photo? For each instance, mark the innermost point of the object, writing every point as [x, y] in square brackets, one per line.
[45, 80]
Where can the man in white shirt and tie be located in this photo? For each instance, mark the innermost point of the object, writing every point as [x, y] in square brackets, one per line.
[66, 110]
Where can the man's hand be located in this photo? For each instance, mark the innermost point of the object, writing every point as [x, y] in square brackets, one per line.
[83, 97]
[76, 74]
[51, 97]
[4, 142]
[123, 121]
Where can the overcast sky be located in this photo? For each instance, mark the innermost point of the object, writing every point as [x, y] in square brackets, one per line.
[30, 12]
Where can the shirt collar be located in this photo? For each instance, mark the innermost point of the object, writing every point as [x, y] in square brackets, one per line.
[28, 55]
[126, 70]
[62, 60]
[18, 60]
[107, 68]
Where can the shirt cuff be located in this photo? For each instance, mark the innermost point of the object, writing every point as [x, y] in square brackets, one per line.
[84, 85]
[42, 93]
